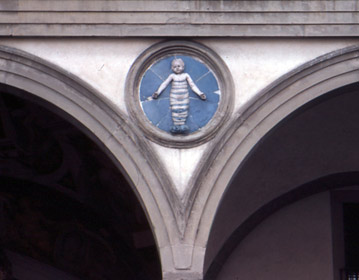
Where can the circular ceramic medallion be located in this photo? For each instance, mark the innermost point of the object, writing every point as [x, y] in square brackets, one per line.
[186, 108]
[179, 93]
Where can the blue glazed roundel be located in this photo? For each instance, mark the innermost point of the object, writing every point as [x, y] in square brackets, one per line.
[179, 107]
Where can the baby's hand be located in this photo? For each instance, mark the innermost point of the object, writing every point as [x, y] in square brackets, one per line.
[155, 95]
[203, 96]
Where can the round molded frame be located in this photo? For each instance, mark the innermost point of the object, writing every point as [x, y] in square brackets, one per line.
[162, 50]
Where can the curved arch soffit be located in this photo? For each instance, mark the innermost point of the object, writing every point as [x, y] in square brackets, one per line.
[264, 112]
[40, 78]
[331, 182]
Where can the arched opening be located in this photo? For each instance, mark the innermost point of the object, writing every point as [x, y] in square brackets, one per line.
[66, 211]
[317, 140]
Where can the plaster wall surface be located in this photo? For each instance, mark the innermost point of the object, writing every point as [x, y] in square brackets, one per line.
[104, 64]
[294, 243]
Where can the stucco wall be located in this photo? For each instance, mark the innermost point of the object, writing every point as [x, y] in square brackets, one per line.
[253, 63]
[294, 243]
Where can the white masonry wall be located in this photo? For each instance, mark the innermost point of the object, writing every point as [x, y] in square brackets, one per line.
[104, 64]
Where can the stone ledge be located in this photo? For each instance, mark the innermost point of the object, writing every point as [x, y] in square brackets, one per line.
[170, 18]
[179, 5]
[178, 30]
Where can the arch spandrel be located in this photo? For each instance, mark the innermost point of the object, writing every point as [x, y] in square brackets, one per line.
[270, 107]
[104, 124]
[228, 149]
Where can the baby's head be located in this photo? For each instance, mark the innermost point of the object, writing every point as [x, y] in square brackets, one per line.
[177, 66]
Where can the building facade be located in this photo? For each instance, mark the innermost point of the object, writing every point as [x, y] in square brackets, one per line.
[241, 163]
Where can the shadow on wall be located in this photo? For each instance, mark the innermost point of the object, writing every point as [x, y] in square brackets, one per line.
[63, 204]
[315, 144]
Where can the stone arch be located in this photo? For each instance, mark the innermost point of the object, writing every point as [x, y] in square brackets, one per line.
[255, 121]
[105, 124]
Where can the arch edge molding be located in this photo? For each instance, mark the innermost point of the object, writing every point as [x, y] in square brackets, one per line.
[271, 106]
[102, 122]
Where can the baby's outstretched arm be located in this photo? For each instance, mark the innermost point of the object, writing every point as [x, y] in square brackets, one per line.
[162, 86]
[195, 89]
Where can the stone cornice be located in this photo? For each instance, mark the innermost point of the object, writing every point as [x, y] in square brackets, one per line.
[119, 18]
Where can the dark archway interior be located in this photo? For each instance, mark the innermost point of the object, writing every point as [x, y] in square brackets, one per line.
[63, 202]
[312, 150]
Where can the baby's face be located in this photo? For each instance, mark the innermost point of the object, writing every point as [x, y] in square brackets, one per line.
[177, 67]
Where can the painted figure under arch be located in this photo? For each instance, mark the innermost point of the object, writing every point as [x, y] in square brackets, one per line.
[179, 95]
